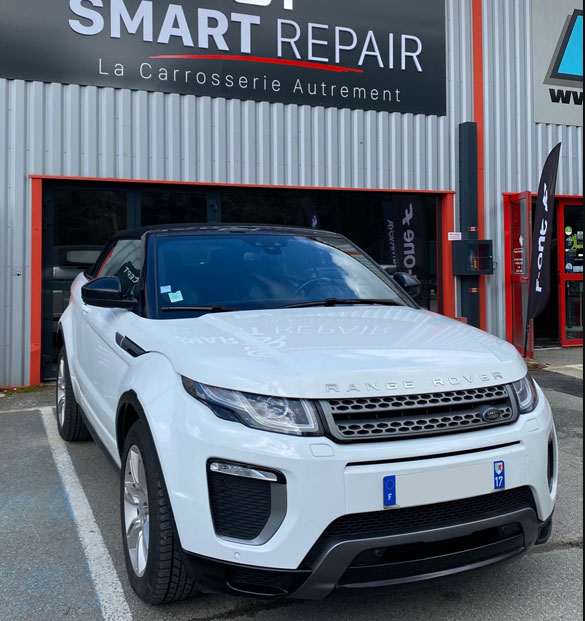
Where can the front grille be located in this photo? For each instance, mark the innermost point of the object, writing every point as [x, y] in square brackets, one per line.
[240, 507]
[374, 418]
[425, 517]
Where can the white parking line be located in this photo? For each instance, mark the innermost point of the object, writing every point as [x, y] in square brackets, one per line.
[105, 578]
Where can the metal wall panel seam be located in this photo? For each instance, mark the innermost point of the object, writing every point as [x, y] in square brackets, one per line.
[140, 140]
[383, 147]
[408, 147]
[33, 160]
[71, 129]
[344, 131]
[234, 147]
[359, 148]
[107, 136]
[219, 133]
[452, 72]
[248, 142]
[304, 144]
[370, 149]
[263, 141]
[124, 133]
[331, 148]
[204, 156]
[278, 143]
[395, 160]
[292, 145]
[89, 141]
[522, 79]
[17, 206]
[5, 301]
[510, 76]
[54, 129]
[528, 95]
[318, 151]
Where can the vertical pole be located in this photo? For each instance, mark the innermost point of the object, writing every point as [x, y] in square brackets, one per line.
[468, 216]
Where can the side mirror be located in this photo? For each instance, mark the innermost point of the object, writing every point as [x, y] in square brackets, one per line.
[411, 284]
[105, 293]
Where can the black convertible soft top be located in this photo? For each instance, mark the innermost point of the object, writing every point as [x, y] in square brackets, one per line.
[192, 227]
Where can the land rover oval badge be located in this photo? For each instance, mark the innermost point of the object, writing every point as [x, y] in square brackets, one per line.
[491, 415]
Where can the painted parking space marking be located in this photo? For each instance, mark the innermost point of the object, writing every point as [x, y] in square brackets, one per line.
[105, 578]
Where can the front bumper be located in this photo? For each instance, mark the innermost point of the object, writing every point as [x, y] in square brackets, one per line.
[325, 481]
[390, 560]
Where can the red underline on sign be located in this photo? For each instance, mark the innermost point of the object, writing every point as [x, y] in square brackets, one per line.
[259, 59]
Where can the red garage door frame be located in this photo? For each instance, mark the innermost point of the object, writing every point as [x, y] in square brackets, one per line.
[447, 223]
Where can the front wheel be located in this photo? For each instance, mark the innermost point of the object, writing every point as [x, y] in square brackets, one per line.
[152, 550]
[69, 420]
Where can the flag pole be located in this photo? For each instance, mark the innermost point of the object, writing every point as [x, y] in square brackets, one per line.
[539, 284]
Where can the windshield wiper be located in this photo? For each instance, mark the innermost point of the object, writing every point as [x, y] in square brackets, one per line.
[338, 302]
[197, 309]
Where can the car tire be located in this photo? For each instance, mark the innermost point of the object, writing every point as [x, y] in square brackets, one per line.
[152, 549]
[69, 420]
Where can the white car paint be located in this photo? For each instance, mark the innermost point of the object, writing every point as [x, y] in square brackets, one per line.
[310, 353]
[319, 352]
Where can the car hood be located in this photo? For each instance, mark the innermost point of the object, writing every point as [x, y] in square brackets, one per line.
[324, 352]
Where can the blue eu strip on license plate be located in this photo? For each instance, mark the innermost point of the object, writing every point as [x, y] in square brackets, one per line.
[499, 475]
[390, 491]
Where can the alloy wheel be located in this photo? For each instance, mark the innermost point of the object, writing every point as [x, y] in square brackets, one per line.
[61, 392]
[136, 511]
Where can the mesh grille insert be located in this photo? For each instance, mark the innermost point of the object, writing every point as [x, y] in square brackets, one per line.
[385, 523]
[240, 507]
[418, 415]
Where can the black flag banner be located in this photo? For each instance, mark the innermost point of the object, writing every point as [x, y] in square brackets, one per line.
[540, 285]
[539, 291]
[404, 218]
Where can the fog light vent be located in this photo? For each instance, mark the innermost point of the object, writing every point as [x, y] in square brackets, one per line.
[248, 504]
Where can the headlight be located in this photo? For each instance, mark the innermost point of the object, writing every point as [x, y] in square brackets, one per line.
[295, 417]
[526, 394]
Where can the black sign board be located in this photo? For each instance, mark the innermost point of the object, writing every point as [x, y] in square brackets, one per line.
[371, 55]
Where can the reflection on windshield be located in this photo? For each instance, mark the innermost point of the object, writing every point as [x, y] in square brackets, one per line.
[255, 271]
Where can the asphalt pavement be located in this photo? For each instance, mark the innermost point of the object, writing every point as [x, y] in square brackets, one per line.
[61, 554]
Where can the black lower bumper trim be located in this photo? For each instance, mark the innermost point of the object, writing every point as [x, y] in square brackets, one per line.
[381, 561]
[213, 576]
[544, 531]
[422, 555]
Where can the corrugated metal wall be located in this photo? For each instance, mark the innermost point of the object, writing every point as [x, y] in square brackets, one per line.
[516, 147]
[92, 132]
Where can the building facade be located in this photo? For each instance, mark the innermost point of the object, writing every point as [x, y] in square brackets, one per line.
[430, 117]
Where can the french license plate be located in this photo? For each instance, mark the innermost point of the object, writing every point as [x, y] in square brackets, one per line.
[499, 475]
[390, 491]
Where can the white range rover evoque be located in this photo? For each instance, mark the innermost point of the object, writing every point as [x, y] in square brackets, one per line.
[287, 421]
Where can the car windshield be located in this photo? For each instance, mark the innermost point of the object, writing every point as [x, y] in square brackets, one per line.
[203, 273]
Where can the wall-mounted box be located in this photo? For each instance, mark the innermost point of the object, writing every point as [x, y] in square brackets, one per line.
[473, 257]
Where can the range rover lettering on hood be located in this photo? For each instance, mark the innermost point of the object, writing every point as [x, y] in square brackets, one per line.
[439, 382]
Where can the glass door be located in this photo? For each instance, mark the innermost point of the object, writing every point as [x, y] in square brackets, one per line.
[79, 218]
[77, 223]
[570, 253]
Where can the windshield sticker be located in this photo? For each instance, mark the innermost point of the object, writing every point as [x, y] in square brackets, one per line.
[176, 297]
[167, 289]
